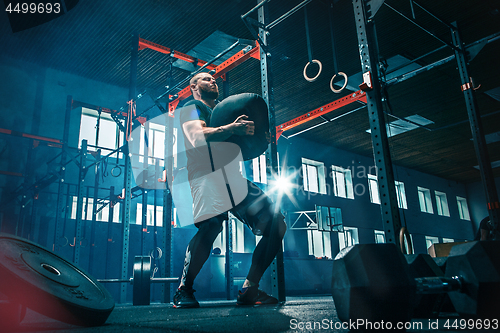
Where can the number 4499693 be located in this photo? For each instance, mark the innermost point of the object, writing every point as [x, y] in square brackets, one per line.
[39, 8]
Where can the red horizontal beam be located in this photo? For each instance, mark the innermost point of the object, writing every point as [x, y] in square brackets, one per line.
[356, 96]
[76, 104]
[29, 136]
[8, 173]
[145, 44]
[220, 70]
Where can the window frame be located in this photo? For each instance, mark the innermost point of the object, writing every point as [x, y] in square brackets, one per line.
[461, 209]
[346, 185]
[425, 200]
[442, 206]
[320, 178]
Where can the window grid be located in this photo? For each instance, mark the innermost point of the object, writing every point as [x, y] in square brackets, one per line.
[102, 214]
[150, 215]
[109, 137]
[442, 204]
[319, 244]
[313, 175]
[348, 238]
[373, 186]
[342, 182]
[463, 208]
[259, 167]
[424, 197]
[379, 236]
[401, 194]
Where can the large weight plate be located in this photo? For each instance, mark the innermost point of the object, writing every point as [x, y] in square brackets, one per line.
[42, 281]
[142, 281]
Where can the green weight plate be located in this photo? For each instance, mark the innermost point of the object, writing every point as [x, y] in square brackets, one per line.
[41, 280]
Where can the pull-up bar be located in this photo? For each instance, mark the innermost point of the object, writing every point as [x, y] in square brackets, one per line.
[322, 110]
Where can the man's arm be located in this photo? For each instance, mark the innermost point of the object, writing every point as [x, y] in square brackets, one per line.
[198, 133]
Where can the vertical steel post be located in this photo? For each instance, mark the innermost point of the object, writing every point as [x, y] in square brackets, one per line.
[228, 267]
[167, 268]
[79, 201]
[94, 211]
[145, 177]
[476, 127]
[134, 50]
[28, 180]
[368, 52]
[277, 266]
[61, 207]
[109, 257]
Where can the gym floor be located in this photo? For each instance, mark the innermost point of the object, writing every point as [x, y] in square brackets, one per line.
[298, 314]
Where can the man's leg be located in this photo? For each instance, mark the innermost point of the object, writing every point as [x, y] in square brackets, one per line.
[262, 257]
[266, 250]
[197, 253]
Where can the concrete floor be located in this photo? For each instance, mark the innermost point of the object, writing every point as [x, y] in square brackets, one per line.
[298, 314]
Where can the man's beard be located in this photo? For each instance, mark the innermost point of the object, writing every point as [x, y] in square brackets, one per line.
[209, 94]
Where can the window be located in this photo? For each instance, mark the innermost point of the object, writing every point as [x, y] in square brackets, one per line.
[401, 194]
[424, 197]
[448, 240]
[329, 218]
[150, 221]
[373, 186]
[412, 244]
[155, 142]
[259, 169]
[342, 182]
[375, 196]
[319, 243]
[103, 209]
[108, 137]
[313, 174]
[442, 204]
[348, 238]
[463, 208]
[429, 240]
[379, 236]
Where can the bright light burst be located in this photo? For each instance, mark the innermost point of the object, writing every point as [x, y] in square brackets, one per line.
[283, 184]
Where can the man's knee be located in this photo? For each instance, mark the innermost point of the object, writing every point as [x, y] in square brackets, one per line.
[212, 226]
[277, 227]
[281, 225]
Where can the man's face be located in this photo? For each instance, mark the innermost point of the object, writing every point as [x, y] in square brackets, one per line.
[207, 87]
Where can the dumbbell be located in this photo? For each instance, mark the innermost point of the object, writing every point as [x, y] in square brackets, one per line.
[426, 305]
[141, 280]
[373, 282]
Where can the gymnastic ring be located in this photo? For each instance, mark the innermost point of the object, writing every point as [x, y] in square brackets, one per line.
[345, 83]
[319, 72]
[114, 174]
[403, 232]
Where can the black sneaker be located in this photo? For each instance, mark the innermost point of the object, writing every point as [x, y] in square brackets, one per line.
[254, 296]
[184, 298]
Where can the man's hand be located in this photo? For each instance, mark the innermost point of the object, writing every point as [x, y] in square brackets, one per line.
[243, 127]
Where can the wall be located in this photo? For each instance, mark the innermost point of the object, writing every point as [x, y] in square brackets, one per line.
[476, 198]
